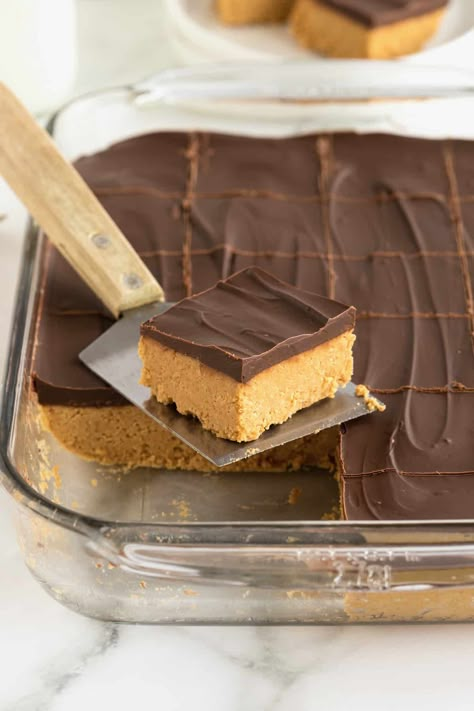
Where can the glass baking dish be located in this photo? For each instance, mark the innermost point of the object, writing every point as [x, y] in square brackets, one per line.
[181, 547]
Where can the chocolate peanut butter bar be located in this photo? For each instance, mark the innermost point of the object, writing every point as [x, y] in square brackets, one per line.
[385, 223]
[247, 353]
[374, 29]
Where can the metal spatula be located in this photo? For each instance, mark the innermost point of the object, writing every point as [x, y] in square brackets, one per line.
[84, 233]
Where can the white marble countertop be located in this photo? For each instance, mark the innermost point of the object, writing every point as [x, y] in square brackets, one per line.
[54, 660]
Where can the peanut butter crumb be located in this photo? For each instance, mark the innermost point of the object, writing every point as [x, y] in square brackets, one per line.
[300, 594]
[294, 495]
[371, 402]
[43, 451]
[48, 475]
[333, 515]
[184, 510]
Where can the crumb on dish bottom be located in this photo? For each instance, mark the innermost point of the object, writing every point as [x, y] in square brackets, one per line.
[332, 33]
[243, 411]
[125, 436]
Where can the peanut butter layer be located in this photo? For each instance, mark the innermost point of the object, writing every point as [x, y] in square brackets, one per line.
[327, 27]
[243, 411]
[437, 605]
[248, 12]
[125, 436]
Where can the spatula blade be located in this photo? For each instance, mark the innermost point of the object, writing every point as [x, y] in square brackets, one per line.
[114, 357]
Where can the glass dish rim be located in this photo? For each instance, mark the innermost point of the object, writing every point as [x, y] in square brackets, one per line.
[27, 496]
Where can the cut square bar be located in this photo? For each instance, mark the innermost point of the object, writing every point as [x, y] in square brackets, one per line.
[374, 29]
[247, 353]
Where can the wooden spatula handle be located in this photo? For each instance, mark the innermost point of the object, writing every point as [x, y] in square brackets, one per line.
[70, 214]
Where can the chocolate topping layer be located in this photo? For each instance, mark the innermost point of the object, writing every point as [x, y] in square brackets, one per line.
[248, 323]
[375, 13]
[382, 222]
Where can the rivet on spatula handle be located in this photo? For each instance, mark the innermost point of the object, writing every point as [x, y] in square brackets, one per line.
[68, 211]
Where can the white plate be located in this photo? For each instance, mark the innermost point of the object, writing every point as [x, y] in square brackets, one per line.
[199, 36]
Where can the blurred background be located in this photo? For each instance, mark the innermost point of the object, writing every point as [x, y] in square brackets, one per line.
[51, 50]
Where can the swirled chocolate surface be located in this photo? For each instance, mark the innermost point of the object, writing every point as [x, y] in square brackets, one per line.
[249, 322]
[381, 222]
